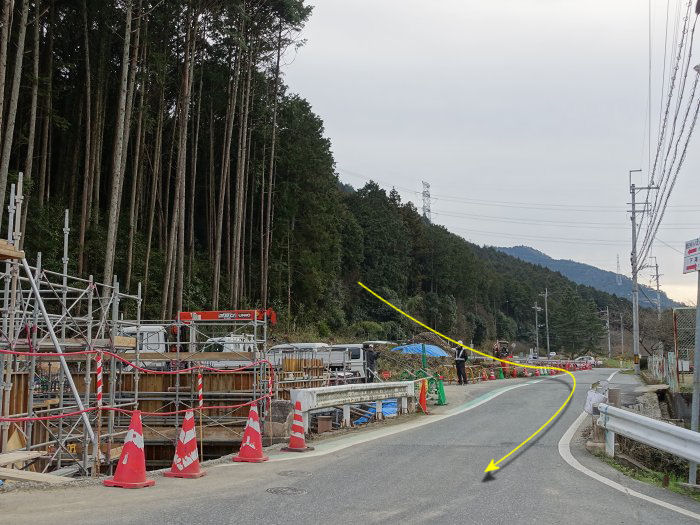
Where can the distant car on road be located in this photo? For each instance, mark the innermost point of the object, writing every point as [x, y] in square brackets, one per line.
[588, 360]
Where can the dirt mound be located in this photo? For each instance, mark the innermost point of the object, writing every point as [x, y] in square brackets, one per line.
[429, 338]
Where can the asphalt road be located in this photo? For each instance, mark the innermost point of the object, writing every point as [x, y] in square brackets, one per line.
[430, 474]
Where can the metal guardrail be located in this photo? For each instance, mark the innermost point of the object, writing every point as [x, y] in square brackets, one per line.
[314, 399]
[678, 441]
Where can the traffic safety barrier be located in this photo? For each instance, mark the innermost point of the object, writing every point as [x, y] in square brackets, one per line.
[186, 460]
[319, 398]
[675, 440]
[131, 469]
[251, 445]
[423, 396]
[297, 439]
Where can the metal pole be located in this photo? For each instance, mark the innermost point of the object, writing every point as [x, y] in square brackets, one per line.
[537, 330]
[546, 316]
[32, 364]
[693, 467]
[112, 371]
[635, 287]
[607, 312]
[5, 369]
[57, 346]
[137, 375]
[622, 336]
[658, 293]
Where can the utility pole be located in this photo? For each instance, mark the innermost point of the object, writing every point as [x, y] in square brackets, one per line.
[607, 323]
[622, 336]
[537, 328]
[546, 316]
[691, 263]
[658, 290]
[618, 277]
[636, 267]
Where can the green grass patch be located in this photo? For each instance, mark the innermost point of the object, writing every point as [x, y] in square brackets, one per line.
[613, 362]
[650, 476]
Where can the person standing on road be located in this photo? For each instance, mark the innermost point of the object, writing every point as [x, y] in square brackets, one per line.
[460, 358]
[371, 357]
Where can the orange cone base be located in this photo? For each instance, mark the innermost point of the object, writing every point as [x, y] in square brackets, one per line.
[288, 449]
[185, 475]
[250, 460]
[109, 482]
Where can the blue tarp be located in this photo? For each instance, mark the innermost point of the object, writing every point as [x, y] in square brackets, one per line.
[388, 409]
[430, 350]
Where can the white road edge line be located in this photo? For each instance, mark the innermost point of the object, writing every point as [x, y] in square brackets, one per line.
[612, 375]
[565, 453]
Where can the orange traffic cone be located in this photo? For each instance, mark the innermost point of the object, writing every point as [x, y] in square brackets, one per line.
[251, 446]
[537, 372]
[484, 377]
[513, 372]
[492, 375]
[297, 440]
[423, 397]
[186, 460]
[131, 469]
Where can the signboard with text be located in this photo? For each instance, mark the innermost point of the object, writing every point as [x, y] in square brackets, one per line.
[691, 259]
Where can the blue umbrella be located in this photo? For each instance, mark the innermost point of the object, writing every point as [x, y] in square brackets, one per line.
[430, 350]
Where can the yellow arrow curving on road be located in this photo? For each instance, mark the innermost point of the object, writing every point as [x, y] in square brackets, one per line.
[493, 464]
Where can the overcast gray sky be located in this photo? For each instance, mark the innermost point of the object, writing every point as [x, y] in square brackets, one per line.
[523, 115]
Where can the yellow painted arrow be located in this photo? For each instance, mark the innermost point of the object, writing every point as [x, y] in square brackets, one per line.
[493, 465]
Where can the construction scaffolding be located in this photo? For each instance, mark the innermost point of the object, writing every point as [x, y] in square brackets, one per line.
[51, 397]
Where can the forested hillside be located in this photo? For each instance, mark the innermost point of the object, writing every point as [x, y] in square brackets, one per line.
[591, 276]
[166, 129]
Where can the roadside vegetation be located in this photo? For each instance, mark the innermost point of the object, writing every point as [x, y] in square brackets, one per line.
[670, 480]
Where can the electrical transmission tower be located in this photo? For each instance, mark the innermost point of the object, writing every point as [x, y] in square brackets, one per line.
[619, 275]
[426, 201]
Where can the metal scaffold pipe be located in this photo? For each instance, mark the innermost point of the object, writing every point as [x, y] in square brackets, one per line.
[57, 346]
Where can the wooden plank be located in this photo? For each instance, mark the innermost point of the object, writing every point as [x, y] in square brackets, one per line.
[9, 252]
[19, 455]
[76, 343]
[23, 475]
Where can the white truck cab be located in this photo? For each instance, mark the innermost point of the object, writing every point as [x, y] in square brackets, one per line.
[149, 338]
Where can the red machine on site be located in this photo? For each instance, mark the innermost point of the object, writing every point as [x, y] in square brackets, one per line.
[502, 350]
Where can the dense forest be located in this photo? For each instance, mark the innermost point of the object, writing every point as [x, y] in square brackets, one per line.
[165, 128]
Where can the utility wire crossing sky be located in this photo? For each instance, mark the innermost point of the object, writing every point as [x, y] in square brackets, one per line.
[525, 117]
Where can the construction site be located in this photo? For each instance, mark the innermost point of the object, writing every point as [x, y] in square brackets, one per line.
[75, 368]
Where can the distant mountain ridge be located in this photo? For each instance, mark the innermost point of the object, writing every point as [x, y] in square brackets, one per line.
[592, 276]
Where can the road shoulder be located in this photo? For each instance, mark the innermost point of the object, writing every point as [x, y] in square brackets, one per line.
[572, 449]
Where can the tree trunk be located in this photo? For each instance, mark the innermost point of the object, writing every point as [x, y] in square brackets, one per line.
[240, 189]
[155, 182]
[176, 235]
[8, 136]
[223, 183]
[44, 167]
[270, 176]
[4, 39]
[87, 174]
[193, 186]
[113, 218]
[210, 193]
[98, 135]
[31, 137]
[136, 171]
